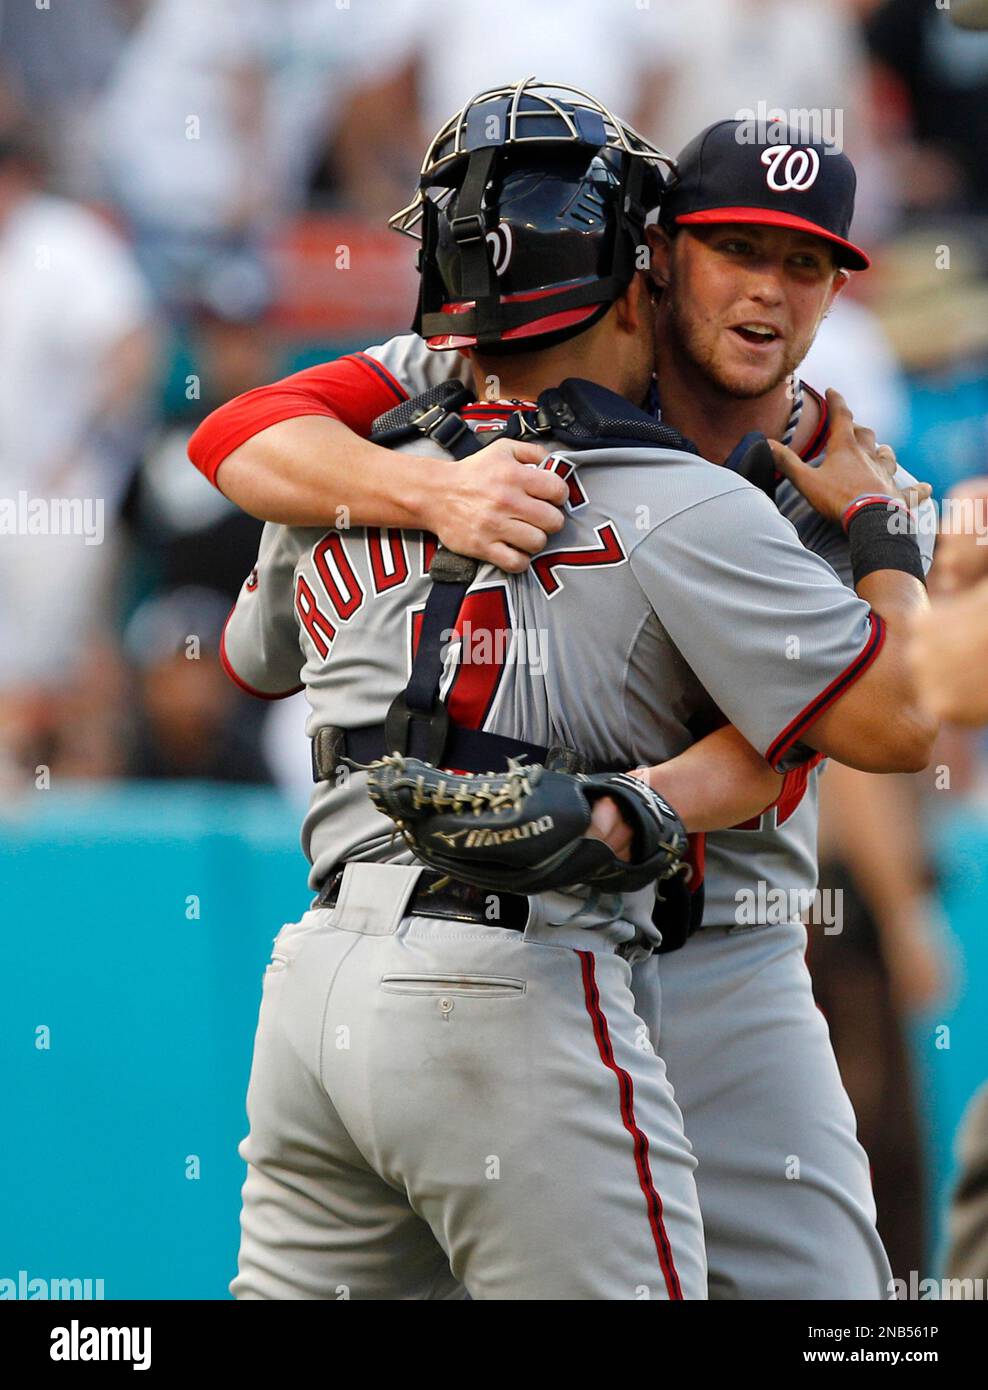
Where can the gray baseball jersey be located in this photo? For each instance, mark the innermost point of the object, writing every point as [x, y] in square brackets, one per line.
[620, 641]
[768, 868]
[733, 1018]
[658, 637]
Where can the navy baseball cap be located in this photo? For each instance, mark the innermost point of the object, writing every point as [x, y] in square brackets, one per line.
[735, 171]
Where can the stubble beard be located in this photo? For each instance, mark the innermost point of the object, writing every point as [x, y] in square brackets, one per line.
[686, 340]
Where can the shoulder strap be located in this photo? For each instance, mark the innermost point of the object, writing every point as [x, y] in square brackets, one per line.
[417, 717]
[431, 415]
[582, 415]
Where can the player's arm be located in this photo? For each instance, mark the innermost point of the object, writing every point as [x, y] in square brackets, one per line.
[775, 638]
[878, 724]
[717, 782]
[260, 649]
[949, 655]
[296, 452]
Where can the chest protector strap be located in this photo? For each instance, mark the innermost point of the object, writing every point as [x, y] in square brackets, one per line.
[578, 415]
[417, 723]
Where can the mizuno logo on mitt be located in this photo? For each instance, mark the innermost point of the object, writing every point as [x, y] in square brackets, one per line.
[479, 839]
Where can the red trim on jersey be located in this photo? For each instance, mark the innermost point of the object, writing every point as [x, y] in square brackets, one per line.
[798, 726]
[354, 389]
[249, 689]
[794, 784]
[626, 1092]
[696, 857]
[380, 370]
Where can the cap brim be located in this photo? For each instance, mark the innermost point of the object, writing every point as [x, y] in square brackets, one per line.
[853, 257]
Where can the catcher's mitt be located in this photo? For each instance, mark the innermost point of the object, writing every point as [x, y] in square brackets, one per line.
[523, 830]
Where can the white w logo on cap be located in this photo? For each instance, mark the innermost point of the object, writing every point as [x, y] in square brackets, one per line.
[791, 167]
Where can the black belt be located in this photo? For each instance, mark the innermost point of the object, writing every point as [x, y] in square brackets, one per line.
[457, 902]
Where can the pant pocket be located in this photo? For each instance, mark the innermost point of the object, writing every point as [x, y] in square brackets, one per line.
[288, 942]
[490, 986]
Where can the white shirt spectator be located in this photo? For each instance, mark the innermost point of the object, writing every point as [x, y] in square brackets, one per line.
[598, 45]
[69, 294]
[717, 57]
[174, 151]
[852, 354]
[69, 291]
[174, 123]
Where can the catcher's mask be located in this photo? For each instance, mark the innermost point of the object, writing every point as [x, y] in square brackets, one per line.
[531, 207]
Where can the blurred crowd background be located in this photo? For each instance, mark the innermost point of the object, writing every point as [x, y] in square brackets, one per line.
[192, 202]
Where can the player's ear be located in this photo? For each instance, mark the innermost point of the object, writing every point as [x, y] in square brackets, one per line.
[659, 254]
[633, 304]
[841, 278]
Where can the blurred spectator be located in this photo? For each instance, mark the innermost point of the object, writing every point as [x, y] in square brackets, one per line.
[190, 720]
[967, 1257]
[935, 100]
[931, 299]
[884, 965]
[962, 546]
[76, 355]
[344, 115]
[185, 531]
[852, 353]
[56, 59]
[720, 55]
[711, 59]
[184, 143]
[931, 296]
[459, 49]
[950, 654]
[216, 117]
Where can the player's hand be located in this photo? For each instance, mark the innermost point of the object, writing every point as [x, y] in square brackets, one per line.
[962, 545]
[853, 465]
[495, 506]
[608, 824]
[948, 653]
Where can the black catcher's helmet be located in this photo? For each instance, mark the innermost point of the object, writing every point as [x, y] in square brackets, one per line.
[531, 206]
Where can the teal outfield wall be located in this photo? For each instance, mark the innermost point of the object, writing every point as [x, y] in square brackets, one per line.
[151, 1015]
[118, 1148]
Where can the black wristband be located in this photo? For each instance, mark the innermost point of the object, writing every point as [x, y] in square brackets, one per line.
[882, 537]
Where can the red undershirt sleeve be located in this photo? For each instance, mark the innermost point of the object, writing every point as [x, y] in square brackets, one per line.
[353, 389]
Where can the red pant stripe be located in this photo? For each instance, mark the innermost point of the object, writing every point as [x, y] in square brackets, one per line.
[653, 1201]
